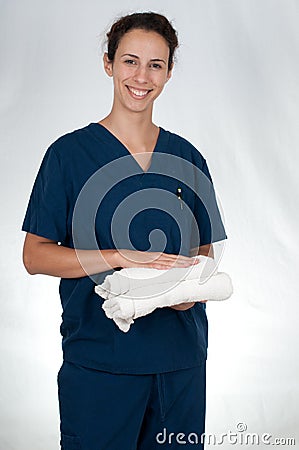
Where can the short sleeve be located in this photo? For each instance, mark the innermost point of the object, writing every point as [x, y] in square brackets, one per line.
[210, 227]
[46, 213]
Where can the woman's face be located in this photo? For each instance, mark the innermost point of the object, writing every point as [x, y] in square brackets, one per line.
[139, 69]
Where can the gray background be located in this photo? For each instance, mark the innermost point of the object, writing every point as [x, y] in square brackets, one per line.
[234, 95]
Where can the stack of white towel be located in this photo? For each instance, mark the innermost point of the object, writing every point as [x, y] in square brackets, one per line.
[134, 292]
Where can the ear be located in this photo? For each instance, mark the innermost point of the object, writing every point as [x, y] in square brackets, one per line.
[169, 74]
[108, 65]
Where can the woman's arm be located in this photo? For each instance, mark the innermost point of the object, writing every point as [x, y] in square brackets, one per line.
[205, 250]
[45, 256]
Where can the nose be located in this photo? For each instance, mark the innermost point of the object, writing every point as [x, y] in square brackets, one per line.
[141, 74]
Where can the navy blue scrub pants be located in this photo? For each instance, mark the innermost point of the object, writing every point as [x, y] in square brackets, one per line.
[106, 411]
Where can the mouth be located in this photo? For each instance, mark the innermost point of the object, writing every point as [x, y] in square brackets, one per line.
[138, 93]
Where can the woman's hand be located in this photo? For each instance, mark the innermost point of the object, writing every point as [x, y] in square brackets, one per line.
[183, 306]
[154, 260]
[186, 305]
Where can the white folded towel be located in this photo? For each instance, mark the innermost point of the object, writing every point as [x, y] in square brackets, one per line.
[127, 280]
[148, 289]
[124, 310]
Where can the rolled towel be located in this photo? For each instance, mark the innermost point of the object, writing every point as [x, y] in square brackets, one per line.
[124, 309]
[129, 279]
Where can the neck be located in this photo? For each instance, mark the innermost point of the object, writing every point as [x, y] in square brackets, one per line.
[129, 123]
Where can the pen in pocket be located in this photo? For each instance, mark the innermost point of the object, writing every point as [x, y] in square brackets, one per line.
[179, 196]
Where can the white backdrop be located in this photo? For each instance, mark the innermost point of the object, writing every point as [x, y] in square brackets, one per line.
[234, 95]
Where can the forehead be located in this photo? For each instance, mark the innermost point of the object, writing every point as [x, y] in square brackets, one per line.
[143, 41]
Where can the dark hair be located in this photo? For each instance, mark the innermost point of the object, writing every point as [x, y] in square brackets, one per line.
[148, 21]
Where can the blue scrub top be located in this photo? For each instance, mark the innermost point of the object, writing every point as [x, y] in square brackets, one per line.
[92, 161]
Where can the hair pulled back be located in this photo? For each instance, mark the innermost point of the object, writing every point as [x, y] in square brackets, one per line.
[148, 21]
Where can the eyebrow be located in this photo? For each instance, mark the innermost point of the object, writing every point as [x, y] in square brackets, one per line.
[137, 57]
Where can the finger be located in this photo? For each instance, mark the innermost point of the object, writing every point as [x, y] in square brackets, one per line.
[169, 266]
[178, 263]
[169, 260]
[188, 261]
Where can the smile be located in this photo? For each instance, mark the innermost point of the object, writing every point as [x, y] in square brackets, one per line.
[138, 93]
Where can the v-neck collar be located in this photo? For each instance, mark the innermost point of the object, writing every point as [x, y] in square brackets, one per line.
[104, 134]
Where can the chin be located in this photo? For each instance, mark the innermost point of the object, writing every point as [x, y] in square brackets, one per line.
[139, 108]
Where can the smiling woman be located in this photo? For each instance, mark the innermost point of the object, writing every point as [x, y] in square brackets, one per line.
[116, 388]
[140, 70]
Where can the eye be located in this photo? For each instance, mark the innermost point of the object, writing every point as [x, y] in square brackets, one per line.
[156, 66]
[130, 61]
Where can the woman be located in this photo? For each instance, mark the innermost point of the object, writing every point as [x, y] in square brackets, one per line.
[143, 388]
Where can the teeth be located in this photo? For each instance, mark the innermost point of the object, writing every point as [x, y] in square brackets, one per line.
[139, 93]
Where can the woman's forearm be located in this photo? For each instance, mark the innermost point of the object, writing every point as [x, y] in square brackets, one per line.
[58, 261]
[206, 250]
[44, 256]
